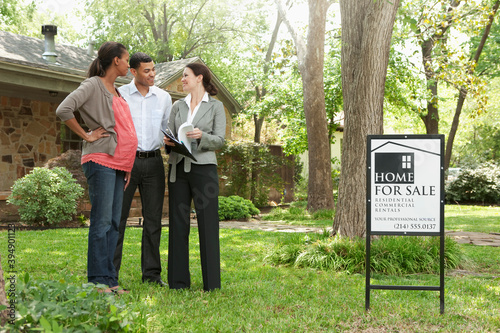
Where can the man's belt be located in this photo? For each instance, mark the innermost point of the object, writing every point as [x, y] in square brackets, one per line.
[148, 154]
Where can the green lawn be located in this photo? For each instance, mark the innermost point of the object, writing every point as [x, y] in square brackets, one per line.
[257, 297]
[472, 218]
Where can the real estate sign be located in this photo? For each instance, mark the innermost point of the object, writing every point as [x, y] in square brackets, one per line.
[405, 195]
[405, 184]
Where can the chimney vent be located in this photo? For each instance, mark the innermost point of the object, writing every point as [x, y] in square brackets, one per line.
[90, 49]
[50, 54]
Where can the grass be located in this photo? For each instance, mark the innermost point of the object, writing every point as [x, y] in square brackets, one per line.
[258, 297]
[472, 218]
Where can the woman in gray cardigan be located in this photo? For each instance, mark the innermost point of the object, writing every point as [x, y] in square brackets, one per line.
[108, 155]
[195, 180]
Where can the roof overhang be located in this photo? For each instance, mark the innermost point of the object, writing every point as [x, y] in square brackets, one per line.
[50, 83]
[224, 95]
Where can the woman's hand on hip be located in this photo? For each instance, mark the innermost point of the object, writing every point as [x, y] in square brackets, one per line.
[96, 134]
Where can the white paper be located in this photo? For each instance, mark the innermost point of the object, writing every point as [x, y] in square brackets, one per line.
[181, 134]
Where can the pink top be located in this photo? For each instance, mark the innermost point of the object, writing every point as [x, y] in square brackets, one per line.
[124, 156]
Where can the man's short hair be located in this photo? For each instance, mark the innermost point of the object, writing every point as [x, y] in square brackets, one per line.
[137, 58]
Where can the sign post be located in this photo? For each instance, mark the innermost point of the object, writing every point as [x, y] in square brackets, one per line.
[405, 195]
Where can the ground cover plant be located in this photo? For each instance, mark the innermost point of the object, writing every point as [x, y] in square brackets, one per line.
[390, 255]
[261, 297]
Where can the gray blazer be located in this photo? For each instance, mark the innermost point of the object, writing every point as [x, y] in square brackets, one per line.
[211, 120]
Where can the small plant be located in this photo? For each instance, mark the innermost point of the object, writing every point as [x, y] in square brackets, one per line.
[82, 220]
[46, 196]
[235, 208]
[59, 306]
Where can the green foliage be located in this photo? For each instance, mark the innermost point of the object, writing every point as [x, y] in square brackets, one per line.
[13, 15]
[389, 255]
[46, 196]
[475, 185]
[60, 306]
[25, 17]
[167, 33]
[235, 208]
[448, 33]
[479, 137]
[249, 170]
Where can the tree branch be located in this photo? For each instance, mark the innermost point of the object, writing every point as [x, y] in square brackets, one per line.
[297, 38]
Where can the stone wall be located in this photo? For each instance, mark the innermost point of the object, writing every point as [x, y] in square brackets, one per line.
[29, 136]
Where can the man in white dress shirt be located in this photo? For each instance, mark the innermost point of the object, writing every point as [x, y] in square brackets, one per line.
[150, 108]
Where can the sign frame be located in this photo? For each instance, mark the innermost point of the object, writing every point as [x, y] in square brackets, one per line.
[402, 142]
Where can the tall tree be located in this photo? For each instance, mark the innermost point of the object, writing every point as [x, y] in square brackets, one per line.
[169, 30]
[311, 60]
[261, 91]
[429, 40]
[366, 38]
[434, 26]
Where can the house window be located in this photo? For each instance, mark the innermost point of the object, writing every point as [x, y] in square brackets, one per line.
[70, 140]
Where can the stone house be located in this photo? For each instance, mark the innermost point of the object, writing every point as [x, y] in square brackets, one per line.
[35, 76]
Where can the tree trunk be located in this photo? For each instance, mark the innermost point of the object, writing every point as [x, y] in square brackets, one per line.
[311, 60]
[463, 91]
[454, 128]
[431, 119]
[320, 186]
[366, 37]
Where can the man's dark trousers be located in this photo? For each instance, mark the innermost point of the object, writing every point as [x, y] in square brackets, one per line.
[149, 175]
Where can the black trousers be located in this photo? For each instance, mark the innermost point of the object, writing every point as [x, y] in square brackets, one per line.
[200, 185]
[149, 175]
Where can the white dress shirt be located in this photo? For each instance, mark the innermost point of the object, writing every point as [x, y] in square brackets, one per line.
[191, 115]
[150, 114]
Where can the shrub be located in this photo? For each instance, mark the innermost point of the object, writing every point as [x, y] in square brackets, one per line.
[235, 208]
[46, 196]
[71, 160]
[478, 185]
[58, 306]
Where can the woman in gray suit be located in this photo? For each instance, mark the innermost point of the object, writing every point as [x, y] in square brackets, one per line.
[196, 181]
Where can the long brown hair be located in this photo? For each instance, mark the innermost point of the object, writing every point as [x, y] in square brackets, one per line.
[201, 69]
[107, 52]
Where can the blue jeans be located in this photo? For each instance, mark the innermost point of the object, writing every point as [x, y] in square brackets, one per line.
[106, 195]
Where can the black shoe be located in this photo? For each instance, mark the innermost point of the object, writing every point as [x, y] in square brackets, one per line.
[157, 282]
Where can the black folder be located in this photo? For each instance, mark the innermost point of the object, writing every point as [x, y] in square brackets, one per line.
[179, 147]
